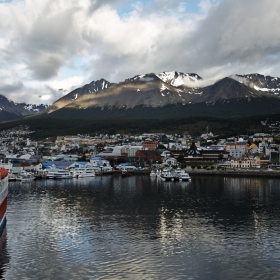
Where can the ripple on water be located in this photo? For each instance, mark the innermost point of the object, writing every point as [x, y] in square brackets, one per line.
[138, 228]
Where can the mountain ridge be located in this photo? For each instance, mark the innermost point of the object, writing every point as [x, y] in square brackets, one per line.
[151, 92]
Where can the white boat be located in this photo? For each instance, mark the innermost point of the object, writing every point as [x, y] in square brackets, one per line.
[76, 172]
[12, 177]
[62, 174]
[167, 176]
[88, 172]
[25, 177]
[184, 177]
[153, 174]
[158, 173]
[178, 171]
[50, 173]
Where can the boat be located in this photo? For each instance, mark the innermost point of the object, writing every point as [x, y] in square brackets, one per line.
[184, 177]
[50, 173]
[88, 172]
[153, 173]
[76, 172]
[158, 173]
[125, 172]
[11, 177]
[3, 196]
[167, 176]
[62, 174]
[25, 177]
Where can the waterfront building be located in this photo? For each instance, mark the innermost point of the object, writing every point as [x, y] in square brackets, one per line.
[240, 163]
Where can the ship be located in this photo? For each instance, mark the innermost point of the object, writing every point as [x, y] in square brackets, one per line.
[3, 197]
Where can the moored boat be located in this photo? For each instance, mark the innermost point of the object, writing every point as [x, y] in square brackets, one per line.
[62, 174]
[184, 177]
[88, 172]
[167, 176]
[25, 177]
[3, 196]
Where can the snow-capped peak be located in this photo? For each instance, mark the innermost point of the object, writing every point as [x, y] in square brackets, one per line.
[177, 79]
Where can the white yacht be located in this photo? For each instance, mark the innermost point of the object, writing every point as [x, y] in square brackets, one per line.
[76, 172]
[62, 174]
[88, 172]
[184, 177]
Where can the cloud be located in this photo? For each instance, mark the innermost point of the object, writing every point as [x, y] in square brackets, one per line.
[40, 39]
[15, 87]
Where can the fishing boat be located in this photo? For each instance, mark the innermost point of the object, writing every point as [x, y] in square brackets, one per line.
[3, 196]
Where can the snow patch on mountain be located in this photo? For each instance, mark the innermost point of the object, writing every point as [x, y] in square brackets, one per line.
[177, 79]
[35, 108]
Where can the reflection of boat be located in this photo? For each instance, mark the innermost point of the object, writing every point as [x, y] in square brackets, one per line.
[25, 177]
[3, 196]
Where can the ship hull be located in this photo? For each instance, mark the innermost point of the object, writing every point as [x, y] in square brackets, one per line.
[3, 201]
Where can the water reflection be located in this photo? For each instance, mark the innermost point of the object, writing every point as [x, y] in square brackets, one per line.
[137, 227]
[4, 257]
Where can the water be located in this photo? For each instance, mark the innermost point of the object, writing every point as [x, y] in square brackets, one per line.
[140, 228]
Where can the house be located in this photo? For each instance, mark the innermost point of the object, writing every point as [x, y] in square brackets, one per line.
[256, 162]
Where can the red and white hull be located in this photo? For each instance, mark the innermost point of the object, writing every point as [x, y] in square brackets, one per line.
[3, 201]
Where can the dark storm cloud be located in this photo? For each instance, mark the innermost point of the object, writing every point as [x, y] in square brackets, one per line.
[9, 88]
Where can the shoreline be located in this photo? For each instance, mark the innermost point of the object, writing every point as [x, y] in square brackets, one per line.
[229, 173]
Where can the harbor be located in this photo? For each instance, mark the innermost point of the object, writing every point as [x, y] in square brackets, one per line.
[139, 227]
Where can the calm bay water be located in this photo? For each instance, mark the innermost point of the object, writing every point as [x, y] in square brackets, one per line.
[141, 228]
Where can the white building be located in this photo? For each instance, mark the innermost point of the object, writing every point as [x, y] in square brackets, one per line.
[240, 163]
[131, 150]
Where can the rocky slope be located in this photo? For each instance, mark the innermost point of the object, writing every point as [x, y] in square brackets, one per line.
[12, 110]
[154, 94]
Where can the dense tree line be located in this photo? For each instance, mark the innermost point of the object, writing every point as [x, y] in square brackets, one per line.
[192, 125]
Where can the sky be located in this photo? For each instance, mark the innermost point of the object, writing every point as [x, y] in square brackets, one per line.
[50, 47]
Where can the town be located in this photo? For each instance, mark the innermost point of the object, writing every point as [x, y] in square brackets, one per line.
[105, 153]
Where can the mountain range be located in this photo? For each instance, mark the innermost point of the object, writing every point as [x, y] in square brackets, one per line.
[10, 110]
[165, 95]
